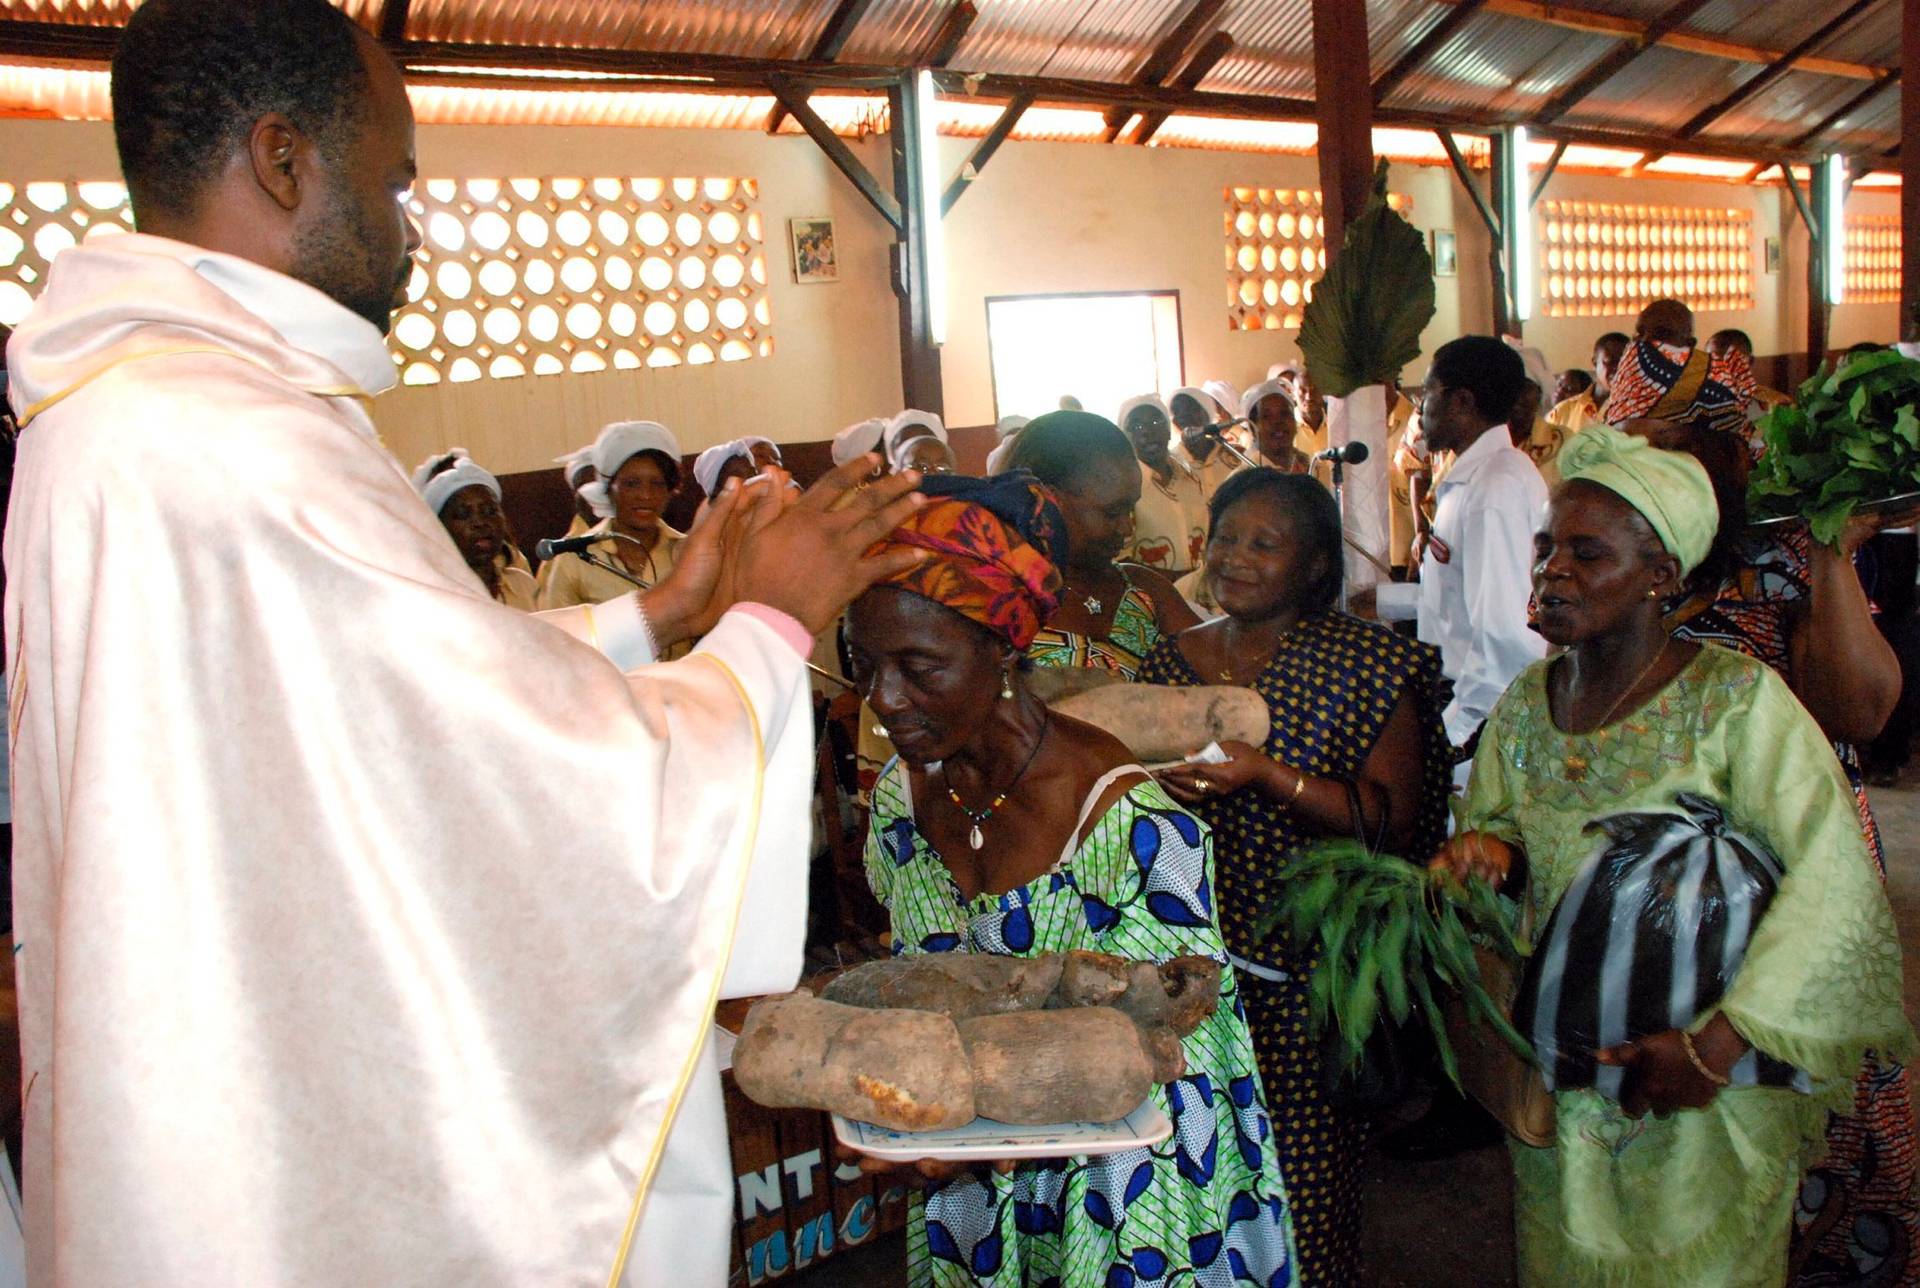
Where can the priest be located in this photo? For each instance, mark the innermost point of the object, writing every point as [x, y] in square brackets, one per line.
[369, 932]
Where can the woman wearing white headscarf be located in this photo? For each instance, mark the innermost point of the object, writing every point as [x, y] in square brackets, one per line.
[916, 440]
[1170, 522]
[723, 461]
[858, 439]
[576, 468]
[637, 470]
[1269, 406]
[510, 555]
[466, 499]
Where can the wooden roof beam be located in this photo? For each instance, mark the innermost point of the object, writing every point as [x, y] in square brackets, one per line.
[983, 151]
[1595, 23]
[1774, 70]
[1845, 110]
[393, 19]
[1428, 45]
[946, 41]
[1617, 60]
[1218, 46]
[1166, 55]
[827, 47]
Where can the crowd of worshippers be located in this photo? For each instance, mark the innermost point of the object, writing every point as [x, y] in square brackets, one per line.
[1591, 628]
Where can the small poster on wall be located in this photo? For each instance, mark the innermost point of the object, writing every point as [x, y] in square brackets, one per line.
[1773, 254]
[1446, 253]
[814, 255]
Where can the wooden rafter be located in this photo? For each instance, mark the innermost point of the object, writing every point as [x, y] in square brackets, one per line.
[1593, 22]
[393, 19]
[1845, 110]
[1464, 174]
[1426, 47]
[983, 151]
[1617, 60]
[1166, 55]
[1774, 70]
[1204, 60]
[946, 41]
[1546, 173]
[827, 46]
[795, 100]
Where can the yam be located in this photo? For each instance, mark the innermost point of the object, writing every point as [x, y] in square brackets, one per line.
[902, 1069]
[1052, 683]
[955, 984]
[1088, 1064]
[1179, 993]
[1164, 1052]
[1091, 979]
[1160, 722]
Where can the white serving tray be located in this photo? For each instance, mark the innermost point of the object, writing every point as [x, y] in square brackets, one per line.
[985, 1139]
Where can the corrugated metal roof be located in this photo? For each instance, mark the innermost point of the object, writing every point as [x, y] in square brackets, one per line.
[1496, 65]
[1497, 68]
[1660, 90]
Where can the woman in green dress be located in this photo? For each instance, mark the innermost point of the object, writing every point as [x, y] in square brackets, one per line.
[1354, 706]
[1624, 720]
[1004, 829]
[1111, 613]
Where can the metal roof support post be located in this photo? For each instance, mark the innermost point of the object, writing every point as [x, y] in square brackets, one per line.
[1343, 109]
[1503, 320]
[1819, 312]
[920, 385]
[1910, 172]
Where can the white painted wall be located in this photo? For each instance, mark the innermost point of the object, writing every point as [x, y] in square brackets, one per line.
[1043, 217]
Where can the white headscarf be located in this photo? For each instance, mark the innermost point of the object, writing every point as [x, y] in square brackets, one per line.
[1222, 394]
[858, 439]
[1284, 371]
[445, 485]
[619, 443]
[1265, 389]
[906, 420]
[424, 470]
[707, 465]
[1537, 367]
[1007, 426]
[1138, 401]
[1199, 395]
[754, 440]
[576, 467]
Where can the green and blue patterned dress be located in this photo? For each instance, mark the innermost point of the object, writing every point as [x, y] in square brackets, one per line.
[1207, 1206]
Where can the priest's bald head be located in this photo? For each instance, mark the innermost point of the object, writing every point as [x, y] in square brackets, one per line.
[275, 130]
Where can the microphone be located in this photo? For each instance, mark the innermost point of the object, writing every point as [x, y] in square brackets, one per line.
[1351, 454]
[1223, 426]
[547, 547]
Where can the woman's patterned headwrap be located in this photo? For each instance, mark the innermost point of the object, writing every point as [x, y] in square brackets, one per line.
[1667, 382]
[993, 549]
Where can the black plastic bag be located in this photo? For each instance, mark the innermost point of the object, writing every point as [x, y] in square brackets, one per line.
[1646, 938]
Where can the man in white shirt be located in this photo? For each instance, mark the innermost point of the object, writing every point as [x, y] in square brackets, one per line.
[1477, 575]
[369, 931]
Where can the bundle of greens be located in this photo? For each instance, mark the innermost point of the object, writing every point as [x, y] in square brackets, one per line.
[1853, 438]
[1385, 935]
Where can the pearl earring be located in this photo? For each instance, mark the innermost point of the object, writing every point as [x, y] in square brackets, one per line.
[1006, 685]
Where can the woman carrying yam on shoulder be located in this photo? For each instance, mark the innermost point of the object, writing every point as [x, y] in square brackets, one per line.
[1003, 829]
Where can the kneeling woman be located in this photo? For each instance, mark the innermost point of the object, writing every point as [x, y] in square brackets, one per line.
[1623, 721]
[1003, 829]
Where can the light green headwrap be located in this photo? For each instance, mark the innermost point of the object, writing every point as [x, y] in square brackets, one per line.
[1671, 490]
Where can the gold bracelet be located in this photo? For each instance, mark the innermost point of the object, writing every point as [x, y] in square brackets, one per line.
[1299, 786]
[1693, 1056]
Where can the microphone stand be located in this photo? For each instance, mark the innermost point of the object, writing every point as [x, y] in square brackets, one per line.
[607, 564]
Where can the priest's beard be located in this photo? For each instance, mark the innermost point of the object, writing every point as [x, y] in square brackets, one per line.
[337, 254]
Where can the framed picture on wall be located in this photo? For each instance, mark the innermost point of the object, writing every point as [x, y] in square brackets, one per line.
[1773, 254]
[1446, 253]
[815, 259]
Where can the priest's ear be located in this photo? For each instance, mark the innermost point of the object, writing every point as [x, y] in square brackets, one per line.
[282, 157]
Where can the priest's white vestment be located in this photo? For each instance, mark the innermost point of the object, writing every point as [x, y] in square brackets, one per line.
[369, 931]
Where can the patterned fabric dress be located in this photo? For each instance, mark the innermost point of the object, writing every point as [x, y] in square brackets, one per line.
[1332, 683]
[1205, 1208]
[1858, 1220]
[1134, 632]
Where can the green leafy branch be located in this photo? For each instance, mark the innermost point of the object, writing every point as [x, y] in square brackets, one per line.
[1363, 324]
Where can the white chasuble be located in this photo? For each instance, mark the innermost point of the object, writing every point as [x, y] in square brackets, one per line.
[369, 931]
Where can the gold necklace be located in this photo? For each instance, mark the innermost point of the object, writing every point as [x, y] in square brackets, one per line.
[1226, 652]
[1577, 765]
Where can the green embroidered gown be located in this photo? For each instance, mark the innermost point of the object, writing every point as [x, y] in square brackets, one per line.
[1705, 1196]
[1206, 1207]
